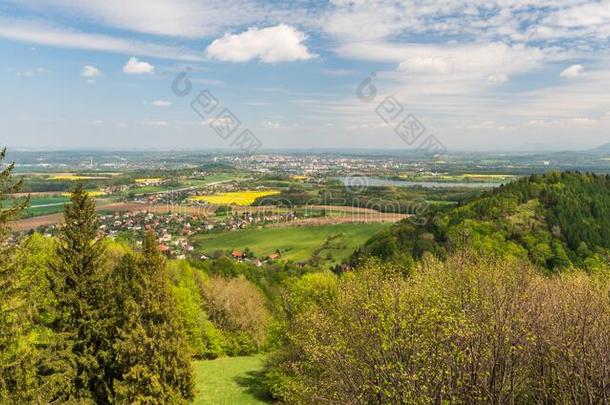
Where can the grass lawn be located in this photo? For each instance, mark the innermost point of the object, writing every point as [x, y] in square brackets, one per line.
[295, 243]
[231, 380]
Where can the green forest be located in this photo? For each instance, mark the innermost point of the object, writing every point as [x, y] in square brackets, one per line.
[504, 298]
[556, 221]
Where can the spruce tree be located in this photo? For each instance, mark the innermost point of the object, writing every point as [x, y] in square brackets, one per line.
[74, 365]
[152, 352]
[16, 371]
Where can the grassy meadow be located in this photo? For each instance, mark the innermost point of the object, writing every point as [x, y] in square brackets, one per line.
[230, 380]
[295, 243]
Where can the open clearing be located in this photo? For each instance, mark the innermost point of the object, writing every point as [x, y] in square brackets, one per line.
[295, 243]
[229, 381]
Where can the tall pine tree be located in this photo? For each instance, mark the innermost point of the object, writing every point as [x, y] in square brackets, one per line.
[152, 352]
[78, 283]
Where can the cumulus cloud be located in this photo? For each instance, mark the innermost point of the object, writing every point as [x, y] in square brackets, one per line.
[90, 71]
[135, 66]
[573, 71]
[161, 103]
[477, 64]
[281, 43]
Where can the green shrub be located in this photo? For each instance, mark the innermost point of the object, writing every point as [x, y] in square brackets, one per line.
[469, 330]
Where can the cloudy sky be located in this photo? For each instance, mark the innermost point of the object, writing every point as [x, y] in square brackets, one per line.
[478, 74]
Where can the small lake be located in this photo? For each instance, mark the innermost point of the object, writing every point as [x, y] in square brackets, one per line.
[374, 182]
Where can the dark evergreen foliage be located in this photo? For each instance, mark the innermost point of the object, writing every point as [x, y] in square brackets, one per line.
[77, 275]
[151, 352]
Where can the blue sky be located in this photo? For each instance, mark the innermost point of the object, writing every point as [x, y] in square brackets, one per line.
[482, 74]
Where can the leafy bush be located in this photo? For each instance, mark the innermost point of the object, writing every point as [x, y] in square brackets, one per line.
[239, 309]
[187, 287]
[469, 330]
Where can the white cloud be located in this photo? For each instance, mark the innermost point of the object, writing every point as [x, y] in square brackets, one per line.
[161, 103]
[180, 18]
[573, 71]
[33, 72]
[281, 43]
[271, 124]
[453, 69]
[374, 20]
[428, 64]
[90, 71]
[44, 34]
[156, 123]
[498, 78]
[585, 21]
[134, 66]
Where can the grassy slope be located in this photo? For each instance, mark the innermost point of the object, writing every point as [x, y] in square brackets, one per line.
[296, 243]
[233, 380]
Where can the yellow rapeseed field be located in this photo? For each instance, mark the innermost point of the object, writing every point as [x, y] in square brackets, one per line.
[235, 198]
[74, 177]
[152, 180]
[92, 194]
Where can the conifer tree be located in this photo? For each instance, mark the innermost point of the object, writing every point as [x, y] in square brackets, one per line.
[77, 281]
[152, 352]
[16, 372]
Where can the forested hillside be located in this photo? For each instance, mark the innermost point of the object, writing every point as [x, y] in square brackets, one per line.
[555, 220]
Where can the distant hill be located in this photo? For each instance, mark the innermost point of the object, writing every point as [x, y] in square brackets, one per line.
[605, 149]
[555, 220]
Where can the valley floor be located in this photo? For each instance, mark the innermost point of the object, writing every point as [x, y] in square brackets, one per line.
[230, 380]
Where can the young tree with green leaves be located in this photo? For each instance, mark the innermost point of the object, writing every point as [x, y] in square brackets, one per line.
[16, 371]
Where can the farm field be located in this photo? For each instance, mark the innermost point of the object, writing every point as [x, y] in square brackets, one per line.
[45, 205]
[235, 198]
[295, 243]
[75, 177]
[465, 177]
[147, 186]
[217, 178]
[230, 380]
[42, 204]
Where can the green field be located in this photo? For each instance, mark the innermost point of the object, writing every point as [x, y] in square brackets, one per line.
[231, 380]
[198, 183]
[43, 205]
[295, 243]
[215, 178]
